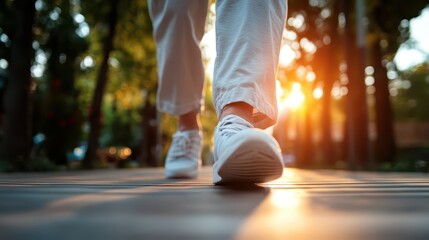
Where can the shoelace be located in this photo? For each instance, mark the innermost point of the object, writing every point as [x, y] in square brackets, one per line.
[182, 145]
[232, 124]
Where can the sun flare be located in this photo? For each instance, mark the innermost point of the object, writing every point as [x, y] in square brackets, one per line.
[290, 99]
[287, 56]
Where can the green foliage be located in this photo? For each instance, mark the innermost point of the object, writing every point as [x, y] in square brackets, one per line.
[57, 111]
[121, 128]
[413, 94]
[387, 15]
[132, 77]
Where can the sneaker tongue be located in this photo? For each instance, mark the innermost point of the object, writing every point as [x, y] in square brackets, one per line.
[231, 124]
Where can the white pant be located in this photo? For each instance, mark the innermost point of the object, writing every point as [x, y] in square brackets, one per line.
[248, 37]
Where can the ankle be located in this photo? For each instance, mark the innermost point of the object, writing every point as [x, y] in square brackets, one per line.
[188, 121]
[240, 109]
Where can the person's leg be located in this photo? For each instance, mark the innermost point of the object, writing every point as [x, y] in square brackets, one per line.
[189, 121]
[248, 38]
[178, 27]
[240, 109]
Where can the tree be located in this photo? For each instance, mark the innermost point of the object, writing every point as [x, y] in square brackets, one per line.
[410, 103]
[59, 116]
[356, 110]
[6, 29]
[327, 58]
[17, 100]
[132, 76]
[385, 30]
[95, 111]
[320, 28]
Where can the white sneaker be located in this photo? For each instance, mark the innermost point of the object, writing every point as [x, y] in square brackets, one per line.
[243, 154]
[183, 158]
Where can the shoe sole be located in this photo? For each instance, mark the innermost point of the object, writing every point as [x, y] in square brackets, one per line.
[255, 160]
[182, 173]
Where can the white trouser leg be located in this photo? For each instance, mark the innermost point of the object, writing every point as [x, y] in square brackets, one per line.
[178, 27]
[248, 38]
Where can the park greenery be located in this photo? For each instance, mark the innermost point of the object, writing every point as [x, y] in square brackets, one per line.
[78, 84]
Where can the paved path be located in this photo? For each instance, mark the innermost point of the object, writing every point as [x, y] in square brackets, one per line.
[141, 204]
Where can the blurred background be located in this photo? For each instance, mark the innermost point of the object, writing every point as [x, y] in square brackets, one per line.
[78, 83]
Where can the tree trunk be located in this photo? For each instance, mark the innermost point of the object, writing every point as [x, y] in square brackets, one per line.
[385, 142]
[148, 156]
[326, 120]
[307, 146]
[95, 111]
[18, 112]
[328, 72]
[356, 98]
